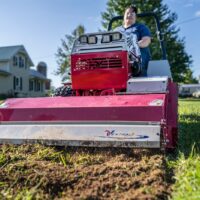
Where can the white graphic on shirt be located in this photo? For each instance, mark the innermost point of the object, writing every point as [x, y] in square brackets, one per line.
[133, 47]
[132, 43]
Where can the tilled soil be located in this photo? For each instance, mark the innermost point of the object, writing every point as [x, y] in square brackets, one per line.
[82, 173]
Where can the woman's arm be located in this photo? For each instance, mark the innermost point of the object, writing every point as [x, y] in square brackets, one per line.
[144, 42]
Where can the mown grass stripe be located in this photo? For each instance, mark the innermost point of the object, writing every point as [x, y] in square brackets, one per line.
[187, 163]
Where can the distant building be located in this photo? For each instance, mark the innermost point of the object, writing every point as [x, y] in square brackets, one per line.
[188, 89]
[16, 76]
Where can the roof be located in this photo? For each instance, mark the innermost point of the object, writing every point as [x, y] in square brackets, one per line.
[6, 53]
[35, 74]
[4, 72]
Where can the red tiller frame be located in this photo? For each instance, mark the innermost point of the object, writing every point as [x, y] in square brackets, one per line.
[122, 108]
[85, 108]
[170, 120]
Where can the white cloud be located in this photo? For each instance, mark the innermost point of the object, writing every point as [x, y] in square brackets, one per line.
[197, 14]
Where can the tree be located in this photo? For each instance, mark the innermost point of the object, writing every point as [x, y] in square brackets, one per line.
[179, 60]
[63, 52]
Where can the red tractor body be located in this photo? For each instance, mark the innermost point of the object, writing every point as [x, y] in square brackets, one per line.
[107, 106]
[100, 71]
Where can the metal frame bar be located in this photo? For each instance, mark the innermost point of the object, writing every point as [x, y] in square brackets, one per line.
[100, 135]
[158, 27]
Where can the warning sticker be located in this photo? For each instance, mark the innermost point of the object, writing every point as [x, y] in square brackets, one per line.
[156, 102]
[3, 105]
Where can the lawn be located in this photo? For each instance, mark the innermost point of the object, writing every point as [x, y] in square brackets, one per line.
[39, 172]
[186, 163]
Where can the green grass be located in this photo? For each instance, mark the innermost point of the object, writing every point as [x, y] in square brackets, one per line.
[187, 176]
[189, 125]
[1, 98]
[186, 163]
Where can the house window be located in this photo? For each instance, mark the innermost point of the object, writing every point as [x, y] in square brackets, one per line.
[47, 85]
[15, 61]
[21, 61]
[17, 83]
[31, 85]
[41, 86]
[37, 86]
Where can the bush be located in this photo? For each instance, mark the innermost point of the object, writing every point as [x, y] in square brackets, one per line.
[196, 94]
[5, 96]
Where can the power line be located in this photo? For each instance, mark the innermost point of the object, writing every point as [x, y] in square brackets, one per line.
[184, 22]
[173, 26]
[188, 20]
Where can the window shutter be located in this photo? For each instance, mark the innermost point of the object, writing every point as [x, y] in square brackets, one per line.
[35, 85]
[14, 83]
[20, 83]
[25, 63]
[15, 61]
[29, 85]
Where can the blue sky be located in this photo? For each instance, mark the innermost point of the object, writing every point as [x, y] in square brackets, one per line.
[40, 24]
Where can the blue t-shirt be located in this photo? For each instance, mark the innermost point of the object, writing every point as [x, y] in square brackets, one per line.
[140, 30]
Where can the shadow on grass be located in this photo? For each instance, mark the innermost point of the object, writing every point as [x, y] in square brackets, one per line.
[189, 99]
[189, 134]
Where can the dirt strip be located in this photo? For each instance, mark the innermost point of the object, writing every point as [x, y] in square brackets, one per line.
[82, 173]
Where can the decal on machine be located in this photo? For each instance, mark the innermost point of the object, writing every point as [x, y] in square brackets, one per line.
[3, 105]
[156, 102]
[122, 135]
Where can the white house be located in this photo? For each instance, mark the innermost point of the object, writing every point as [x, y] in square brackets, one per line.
[188, 89]
[16, 76]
